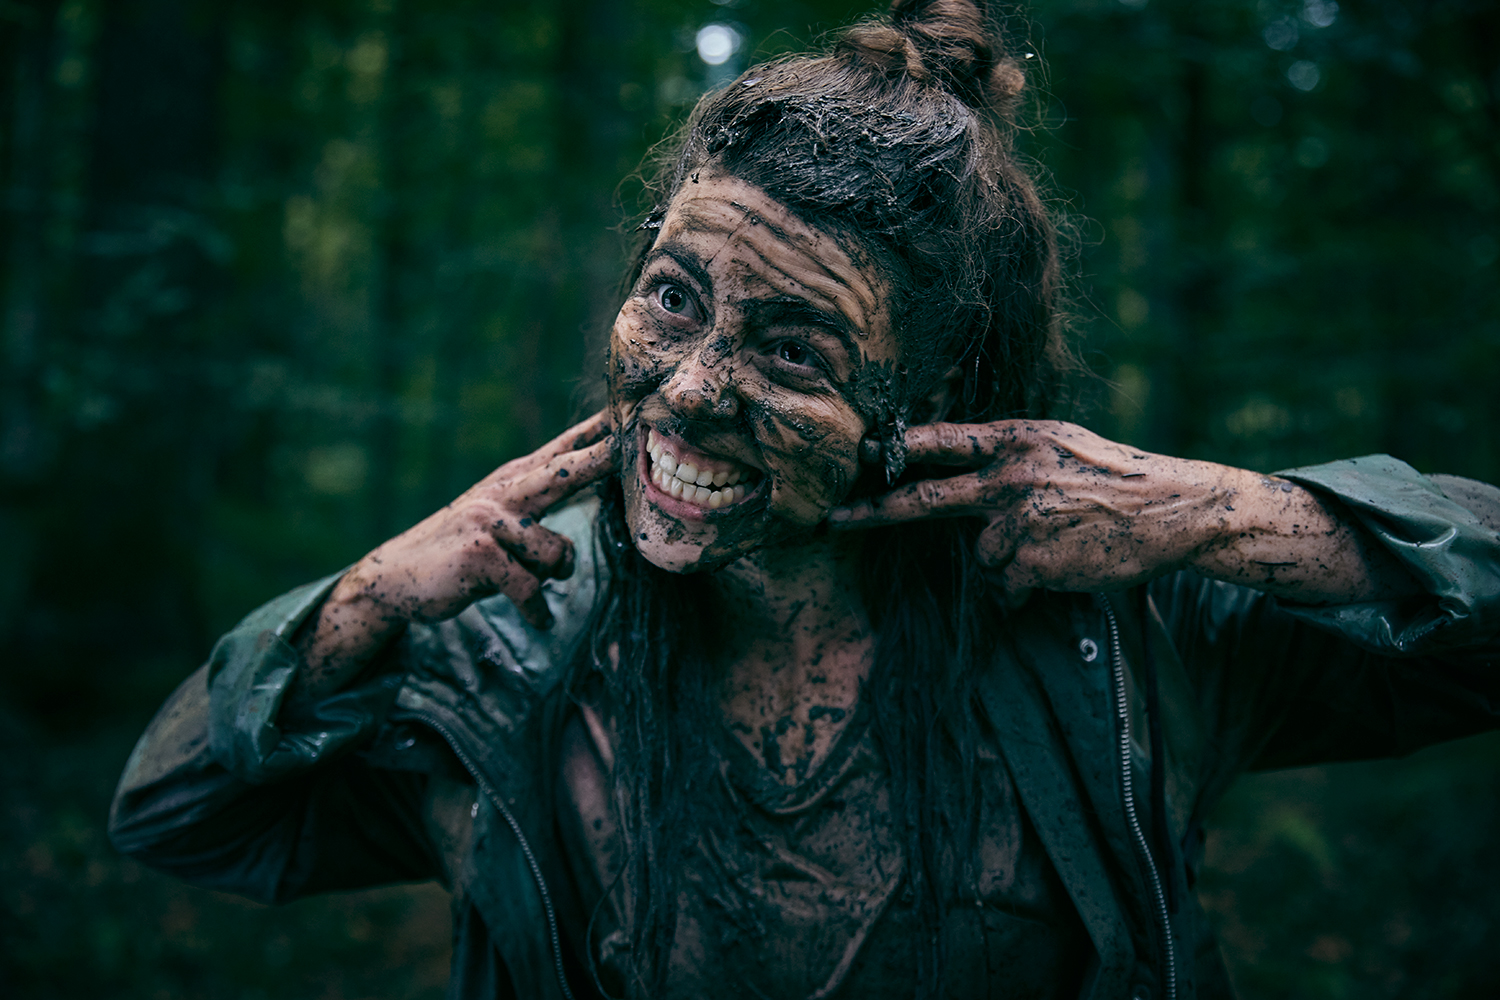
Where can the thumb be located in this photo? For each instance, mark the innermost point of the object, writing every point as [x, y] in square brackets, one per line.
[534, 609]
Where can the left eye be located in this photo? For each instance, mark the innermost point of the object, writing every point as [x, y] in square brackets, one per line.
[794, 353]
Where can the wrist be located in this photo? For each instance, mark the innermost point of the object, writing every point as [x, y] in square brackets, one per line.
[1283, 539]
[1212, 501]
[352, 626]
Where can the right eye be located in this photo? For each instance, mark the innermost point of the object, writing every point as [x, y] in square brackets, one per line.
[674, 299]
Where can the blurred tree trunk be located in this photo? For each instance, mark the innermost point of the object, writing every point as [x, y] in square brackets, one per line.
[594, 152]
[27, 57]
[100, 314]
[28, 48]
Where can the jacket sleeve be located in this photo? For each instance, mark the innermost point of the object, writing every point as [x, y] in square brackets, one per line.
[1284, 685]
[228, 792]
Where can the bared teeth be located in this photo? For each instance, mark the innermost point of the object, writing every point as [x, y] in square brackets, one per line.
[702, 487]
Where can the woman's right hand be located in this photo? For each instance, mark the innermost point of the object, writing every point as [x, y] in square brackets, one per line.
[488, 541]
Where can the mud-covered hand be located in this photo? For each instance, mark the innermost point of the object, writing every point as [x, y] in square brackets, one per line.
[488, 541]
[1066, 509]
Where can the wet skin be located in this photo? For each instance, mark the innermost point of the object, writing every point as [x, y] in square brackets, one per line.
[743, 361]
[742, 349]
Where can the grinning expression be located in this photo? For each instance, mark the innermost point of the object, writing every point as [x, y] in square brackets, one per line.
[733, 371]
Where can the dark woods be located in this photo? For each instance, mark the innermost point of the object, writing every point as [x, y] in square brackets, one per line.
[277, 279]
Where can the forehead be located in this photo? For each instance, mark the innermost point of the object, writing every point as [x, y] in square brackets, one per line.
[748, 239]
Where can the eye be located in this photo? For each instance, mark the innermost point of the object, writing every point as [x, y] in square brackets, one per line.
[794, 353]
[798, 361]
[674, 299]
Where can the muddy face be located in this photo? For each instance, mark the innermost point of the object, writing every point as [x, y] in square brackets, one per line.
[739, 376]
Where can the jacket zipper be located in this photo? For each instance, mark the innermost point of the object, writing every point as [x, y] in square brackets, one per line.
[1127, 785]
[515, 827]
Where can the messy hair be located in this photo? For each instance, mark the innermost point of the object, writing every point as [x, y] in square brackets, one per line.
[900, 141]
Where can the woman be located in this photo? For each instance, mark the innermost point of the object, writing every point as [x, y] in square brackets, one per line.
[858, 677]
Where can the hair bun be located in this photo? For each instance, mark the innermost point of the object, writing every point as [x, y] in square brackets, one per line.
[950, 43]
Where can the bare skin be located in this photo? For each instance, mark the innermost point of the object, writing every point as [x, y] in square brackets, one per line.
[738, 429]
[803, 644]
[738, 351]
[1069, 510]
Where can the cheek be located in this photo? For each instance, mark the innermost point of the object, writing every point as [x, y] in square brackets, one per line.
[813, 455]
[640, 355]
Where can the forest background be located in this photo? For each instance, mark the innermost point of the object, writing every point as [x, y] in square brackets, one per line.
[279, 278]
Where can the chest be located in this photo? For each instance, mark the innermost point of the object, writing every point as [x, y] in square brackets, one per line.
[788, 700]
[800, 890]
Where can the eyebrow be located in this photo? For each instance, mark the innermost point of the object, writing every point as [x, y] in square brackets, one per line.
[787, 309]
[792, 311]
[684, 258]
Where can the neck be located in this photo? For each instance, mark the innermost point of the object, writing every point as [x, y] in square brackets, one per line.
[797, 647]
[789, 593]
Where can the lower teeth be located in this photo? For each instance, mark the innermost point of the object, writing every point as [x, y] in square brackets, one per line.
[691, 492]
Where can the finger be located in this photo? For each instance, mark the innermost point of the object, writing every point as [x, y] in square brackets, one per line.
[940, 444]
[965, 444]
[523, 589]
[542, 551]
[956, 497]
[564, 475]
[997, 543]
[534, 609]
[1016, 582]
[579, 436]
[997, 550]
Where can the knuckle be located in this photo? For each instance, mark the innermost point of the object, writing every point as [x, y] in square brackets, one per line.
[485, 547]
[483, 514]
[1025, 559]
[950, 437]
[929, 493]
[994, 547]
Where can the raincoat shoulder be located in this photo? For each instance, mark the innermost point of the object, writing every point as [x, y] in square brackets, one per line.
[228, 790]
[1124, 717]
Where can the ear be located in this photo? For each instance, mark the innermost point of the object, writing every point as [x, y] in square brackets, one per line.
[939, 401]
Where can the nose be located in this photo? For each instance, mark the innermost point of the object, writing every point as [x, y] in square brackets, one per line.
[701, 387]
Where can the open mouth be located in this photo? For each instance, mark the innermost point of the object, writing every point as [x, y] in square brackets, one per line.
[694, 478]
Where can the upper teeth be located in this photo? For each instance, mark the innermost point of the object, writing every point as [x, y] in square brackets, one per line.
[705, 487]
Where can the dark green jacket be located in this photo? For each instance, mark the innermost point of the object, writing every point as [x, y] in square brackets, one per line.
[1122, 717]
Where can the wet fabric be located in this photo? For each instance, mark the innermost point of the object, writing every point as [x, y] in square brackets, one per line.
[429, 768]
[801, 891]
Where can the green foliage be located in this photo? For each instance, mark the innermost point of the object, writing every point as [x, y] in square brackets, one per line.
[277, 279]
[1295, 209]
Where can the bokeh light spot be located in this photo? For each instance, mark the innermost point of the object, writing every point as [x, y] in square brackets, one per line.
[716, 43]
[1304, 74]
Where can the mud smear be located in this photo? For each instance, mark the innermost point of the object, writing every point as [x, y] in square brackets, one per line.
[881, 392]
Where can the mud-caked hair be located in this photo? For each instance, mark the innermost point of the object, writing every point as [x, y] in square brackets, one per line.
[898, 140]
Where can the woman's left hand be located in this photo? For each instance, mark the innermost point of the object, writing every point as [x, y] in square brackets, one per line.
[1068, 510]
